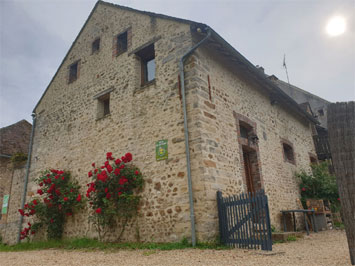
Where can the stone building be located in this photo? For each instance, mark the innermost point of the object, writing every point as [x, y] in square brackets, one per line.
[316, 106]
[119, 89]
[14, 139]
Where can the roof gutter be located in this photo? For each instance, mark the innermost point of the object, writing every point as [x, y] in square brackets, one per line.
[187, 148]
[28, 164]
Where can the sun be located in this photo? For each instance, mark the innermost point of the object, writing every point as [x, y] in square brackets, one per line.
[336, 26]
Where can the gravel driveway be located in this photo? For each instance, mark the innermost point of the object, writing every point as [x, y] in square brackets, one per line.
[324, 248]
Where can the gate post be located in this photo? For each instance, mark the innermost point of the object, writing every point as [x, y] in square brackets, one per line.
[220, 217]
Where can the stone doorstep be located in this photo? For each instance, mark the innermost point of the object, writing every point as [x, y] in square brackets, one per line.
[282, 236]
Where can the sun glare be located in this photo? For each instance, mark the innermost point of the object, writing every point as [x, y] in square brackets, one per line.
[336, 26]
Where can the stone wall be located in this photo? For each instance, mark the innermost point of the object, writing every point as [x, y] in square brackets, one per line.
[218, 98]
[69, 136]
[9, 224]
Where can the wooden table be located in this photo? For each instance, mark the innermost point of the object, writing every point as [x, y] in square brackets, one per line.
[305, 212]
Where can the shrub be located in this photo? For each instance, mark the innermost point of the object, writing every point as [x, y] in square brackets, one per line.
[113, 193]
[59, 197]
[319, 185]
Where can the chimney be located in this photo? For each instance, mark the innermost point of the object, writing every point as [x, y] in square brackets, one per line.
[260, 68]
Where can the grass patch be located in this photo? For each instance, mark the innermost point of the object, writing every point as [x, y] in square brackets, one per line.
[92, 244]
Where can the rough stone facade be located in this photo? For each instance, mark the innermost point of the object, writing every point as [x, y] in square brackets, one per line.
[70, 132]
[13, 139]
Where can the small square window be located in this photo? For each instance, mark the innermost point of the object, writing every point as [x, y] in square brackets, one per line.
[147, 56]
[103, 105]
[96, 46]
[122, 43]
[73, 72]
[288, 153]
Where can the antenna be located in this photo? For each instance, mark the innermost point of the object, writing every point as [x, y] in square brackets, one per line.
[284, 65]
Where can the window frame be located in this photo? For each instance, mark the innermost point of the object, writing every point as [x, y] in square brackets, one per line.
[95, 48]
[288, 152]
[146, 55]
[71, 77]
[119, 36]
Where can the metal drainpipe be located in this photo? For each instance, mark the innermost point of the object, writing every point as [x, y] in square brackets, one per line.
[187, 148]
[27, 174]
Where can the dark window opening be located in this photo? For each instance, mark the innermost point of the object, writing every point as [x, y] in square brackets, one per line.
[288, 153]
[73, 72]
[245, 129]
[96, 45]
[321, 112]
[147, 56]
[122, 43]
[103, 105]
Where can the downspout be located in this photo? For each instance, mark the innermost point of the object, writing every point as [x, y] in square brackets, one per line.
[28, 164]
[187, 148]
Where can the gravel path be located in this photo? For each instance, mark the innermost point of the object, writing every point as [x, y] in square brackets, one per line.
[324, 248]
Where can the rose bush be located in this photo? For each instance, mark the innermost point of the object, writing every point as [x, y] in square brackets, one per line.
[113, 193]
[59, 197]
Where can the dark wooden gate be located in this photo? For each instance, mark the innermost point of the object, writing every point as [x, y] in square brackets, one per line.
[244, 220]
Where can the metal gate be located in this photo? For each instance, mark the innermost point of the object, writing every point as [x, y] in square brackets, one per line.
[244, 220]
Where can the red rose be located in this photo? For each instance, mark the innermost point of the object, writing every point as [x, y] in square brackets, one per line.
[26, 206]
[108, 195]
[90, 174]
[98, 210]
[109, 168]
[106, 190]
[122, 181]
[41, 184]
[136, 173]
[93, 165]
[128, 157]
[54, 171]
[57, 191]
[65, 198]
[35, 202]
[118, 161]
[102, 167]
[303, 189]
[21, 212]
[49, 180]
[68, 214]
[52, 221]
[109, 156]
[29, 224]
[63, 178]
[106, 163]
[117, 171]
[95, 171]
[32, 212]
[119, 193]
[39, 191]
[33, 232]
[338, 199]
[121, 166]
[57, 176]
[78, 199]
[48, 175]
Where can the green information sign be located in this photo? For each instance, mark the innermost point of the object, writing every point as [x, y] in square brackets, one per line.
[5, 203]
[161, 149]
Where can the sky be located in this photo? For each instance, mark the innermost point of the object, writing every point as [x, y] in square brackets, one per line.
[35, 35]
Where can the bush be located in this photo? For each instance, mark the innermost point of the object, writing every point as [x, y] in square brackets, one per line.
[113, 193]
[319, 185]
[59, 197]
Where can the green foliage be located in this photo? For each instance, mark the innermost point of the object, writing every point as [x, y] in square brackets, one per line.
[318, 185]
[291, 238]
[92, 244]
[18, 157]
[113, 194]
[59, 197]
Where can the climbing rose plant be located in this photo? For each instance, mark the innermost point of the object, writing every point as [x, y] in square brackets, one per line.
[58, 197]
[113, 193]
